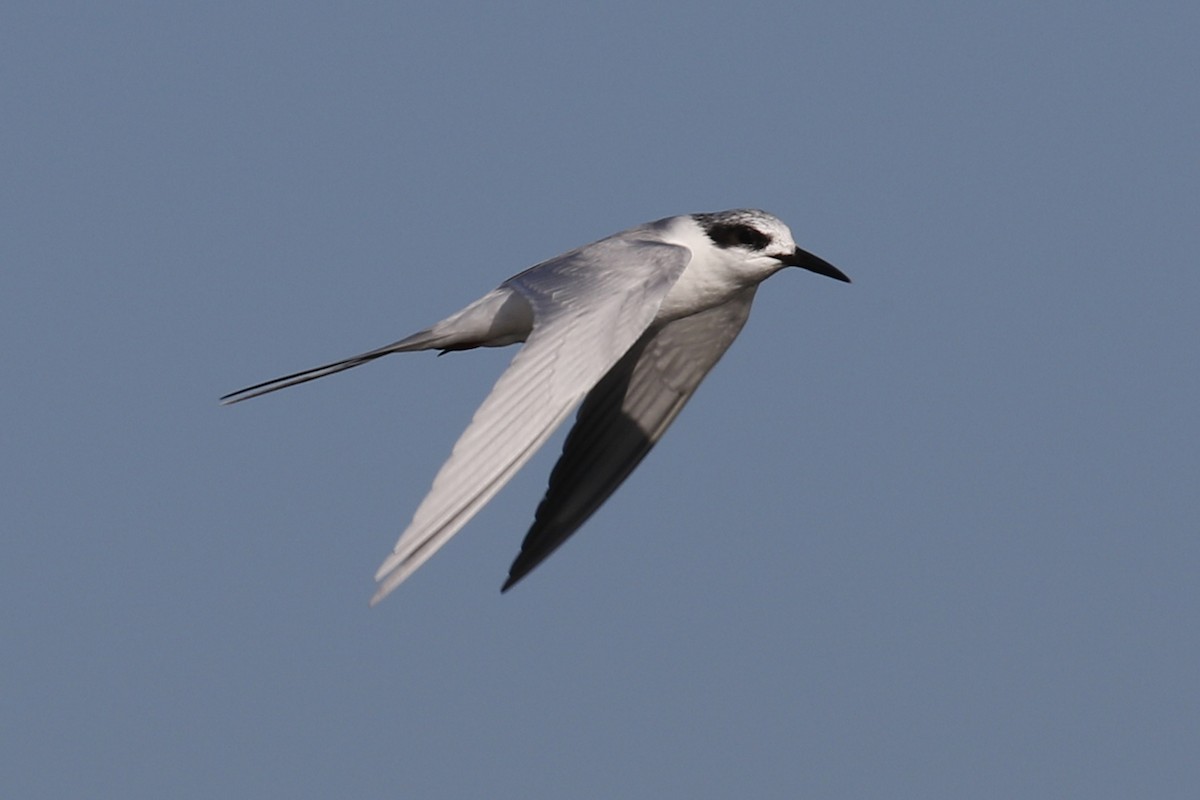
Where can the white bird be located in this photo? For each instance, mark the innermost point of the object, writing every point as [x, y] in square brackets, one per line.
[629, 325]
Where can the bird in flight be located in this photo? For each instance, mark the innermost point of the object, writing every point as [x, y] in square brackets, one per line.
[625, 327]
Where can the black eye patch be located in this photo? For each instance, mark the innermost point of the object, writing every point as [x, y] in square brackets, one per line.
[731, 234]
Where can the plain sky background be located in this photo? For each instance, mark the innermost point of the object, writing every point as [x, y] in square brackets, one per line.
[932, 534]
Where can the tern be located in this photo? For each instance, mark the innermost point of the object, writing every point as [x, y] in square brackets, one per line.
[625, 328]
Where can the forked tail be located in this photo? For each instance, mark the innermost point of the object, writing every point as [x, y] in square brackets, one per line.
[425, 340]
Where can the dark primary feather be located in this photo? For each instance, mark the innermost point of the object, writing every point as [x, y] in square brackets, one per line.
[623, 417]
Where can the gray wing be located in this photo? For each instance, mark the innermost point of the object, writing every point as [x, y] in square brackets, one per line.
[589, 307]
[623, 418]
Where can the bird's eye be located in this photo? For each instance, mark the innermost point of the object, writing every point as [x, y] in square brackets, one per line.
[730, 235]
[749, 236]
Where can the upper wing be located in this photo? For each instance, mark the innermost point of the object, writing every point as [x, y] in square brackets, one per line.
[623, 417]
[589, 307]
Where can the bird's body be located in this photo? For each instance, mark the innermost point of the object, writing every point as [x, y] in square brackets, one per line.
[629, 325]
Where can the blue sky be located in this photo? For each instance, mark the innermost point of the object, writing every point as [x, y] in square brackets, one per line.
[932, 534]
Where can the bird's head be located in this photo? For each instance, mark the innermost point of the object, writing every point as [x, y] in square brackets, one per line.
[756, 236]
